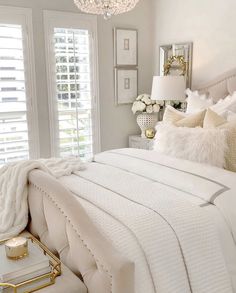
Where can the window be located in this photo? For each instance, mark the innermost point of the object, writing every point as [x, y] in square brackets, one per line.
[18, 141]
[72, 77]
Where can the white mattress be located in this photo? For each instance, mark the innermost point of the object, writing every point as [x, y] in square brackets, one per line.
[175, 189]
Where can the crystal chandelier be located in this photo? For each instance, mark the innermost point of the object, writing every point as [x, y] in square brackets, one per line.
[106, 7]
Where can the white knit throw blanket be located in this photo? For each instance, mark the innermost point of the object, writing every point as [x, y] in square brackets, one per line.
[14, 190]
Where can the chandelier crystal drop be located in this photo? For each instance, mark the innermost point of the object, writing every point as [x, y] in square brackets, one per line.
[105, 7]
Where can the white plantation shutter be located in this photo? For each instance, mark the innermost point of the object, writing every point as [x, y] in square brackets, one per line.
[15, 140]
[13, 122]
[74, 95]
[71, 61]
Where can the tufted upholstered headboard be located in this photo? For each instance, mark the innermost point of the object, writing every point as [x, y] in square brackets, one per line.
[221, 86]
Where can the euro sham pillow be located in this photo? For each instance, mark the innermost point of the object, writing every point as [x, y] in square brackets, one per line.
[192, 121]
[227, 104]
[207, 146]
[173, 116]
[230, 116]
[197, 102]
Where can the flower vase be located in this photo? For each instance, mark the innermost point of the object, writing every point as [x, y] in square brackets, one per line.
[146, 121]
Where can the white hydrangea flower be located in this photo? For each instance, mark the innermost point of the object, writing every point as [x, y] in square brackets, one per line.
[138, 106]
[139, 98]
[161, 103]
[156, 108]
[183, 105]
[146, 99]
[149, 109]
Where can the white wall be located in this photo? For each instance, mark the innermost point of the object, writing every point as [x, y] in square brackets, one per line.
[209, 24]
[116, 122]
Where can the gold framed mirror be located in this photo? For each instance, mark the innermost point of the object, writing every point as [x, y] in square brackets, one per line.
[176, 59]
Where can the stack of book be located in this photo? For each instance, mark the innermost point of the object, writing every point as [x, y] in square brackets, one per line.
[17, 271]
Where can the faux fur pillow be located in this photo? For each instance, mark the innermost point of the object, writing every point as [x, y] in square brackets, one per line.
[194, 144]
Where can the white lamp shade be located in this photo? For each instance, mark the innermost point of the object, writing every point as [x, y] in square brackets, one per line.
[168, 88]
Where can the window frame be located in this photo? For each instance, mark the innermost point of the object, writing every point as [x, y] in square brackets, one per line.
[23, 17]
[53, 19]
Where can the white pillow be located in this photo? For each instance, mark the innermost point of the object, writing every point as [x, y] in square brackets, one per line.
[227, 104]
[197, 102]
[231, 116]
[194, 144]
[228, 115]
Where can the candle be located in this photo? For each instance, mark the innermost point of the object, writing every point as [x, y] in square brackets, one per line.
[16, 248]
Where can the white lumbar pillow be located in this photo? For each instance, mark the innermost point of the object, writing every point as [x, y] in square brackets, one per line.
[194, 144]
[197, 102]
[227, 104]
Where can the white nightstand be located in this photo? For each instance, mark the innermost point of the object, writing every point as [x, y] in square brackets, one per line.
[137, 142]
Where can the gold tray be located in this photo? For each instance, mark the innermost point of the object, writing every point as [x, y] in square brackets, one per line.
[55, 271]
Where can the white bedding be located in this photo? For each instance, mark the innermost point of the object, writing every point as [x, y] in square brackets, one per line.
[166, 215]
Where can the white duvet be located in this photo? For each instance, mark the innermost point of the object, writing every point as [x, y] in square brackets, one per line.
[166, 215]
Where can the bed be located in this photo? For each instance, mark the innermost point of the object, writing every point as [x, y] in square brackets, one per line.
[137, 221]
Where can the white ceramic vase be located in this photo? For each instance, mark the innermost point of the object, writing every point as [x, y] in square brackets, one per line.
[146, 121]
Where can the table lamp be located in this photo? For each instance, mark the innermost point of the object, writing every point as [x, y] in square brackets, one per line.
[168, 88]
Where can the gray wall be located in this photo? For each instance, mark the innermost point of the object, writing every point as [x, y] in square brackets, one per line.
[210, 25]
[116, 122]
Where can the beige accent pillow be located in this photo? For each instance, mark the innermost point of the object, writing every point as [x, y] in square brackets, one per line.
[230, 157]
[172, 115]
[213, 120]
[192, 121]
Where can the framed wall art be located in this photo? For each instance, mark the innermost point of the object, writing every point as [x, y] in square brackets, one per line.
[176, 59]
[126, 85]
[125, 47]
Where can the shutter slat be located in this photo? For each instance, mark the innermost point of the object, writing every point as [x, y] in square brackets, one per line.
[74, 83]
[14, 142]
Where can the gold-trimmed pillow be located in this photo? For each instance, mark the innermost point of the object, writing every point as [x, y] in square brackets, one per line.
[192, 121]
